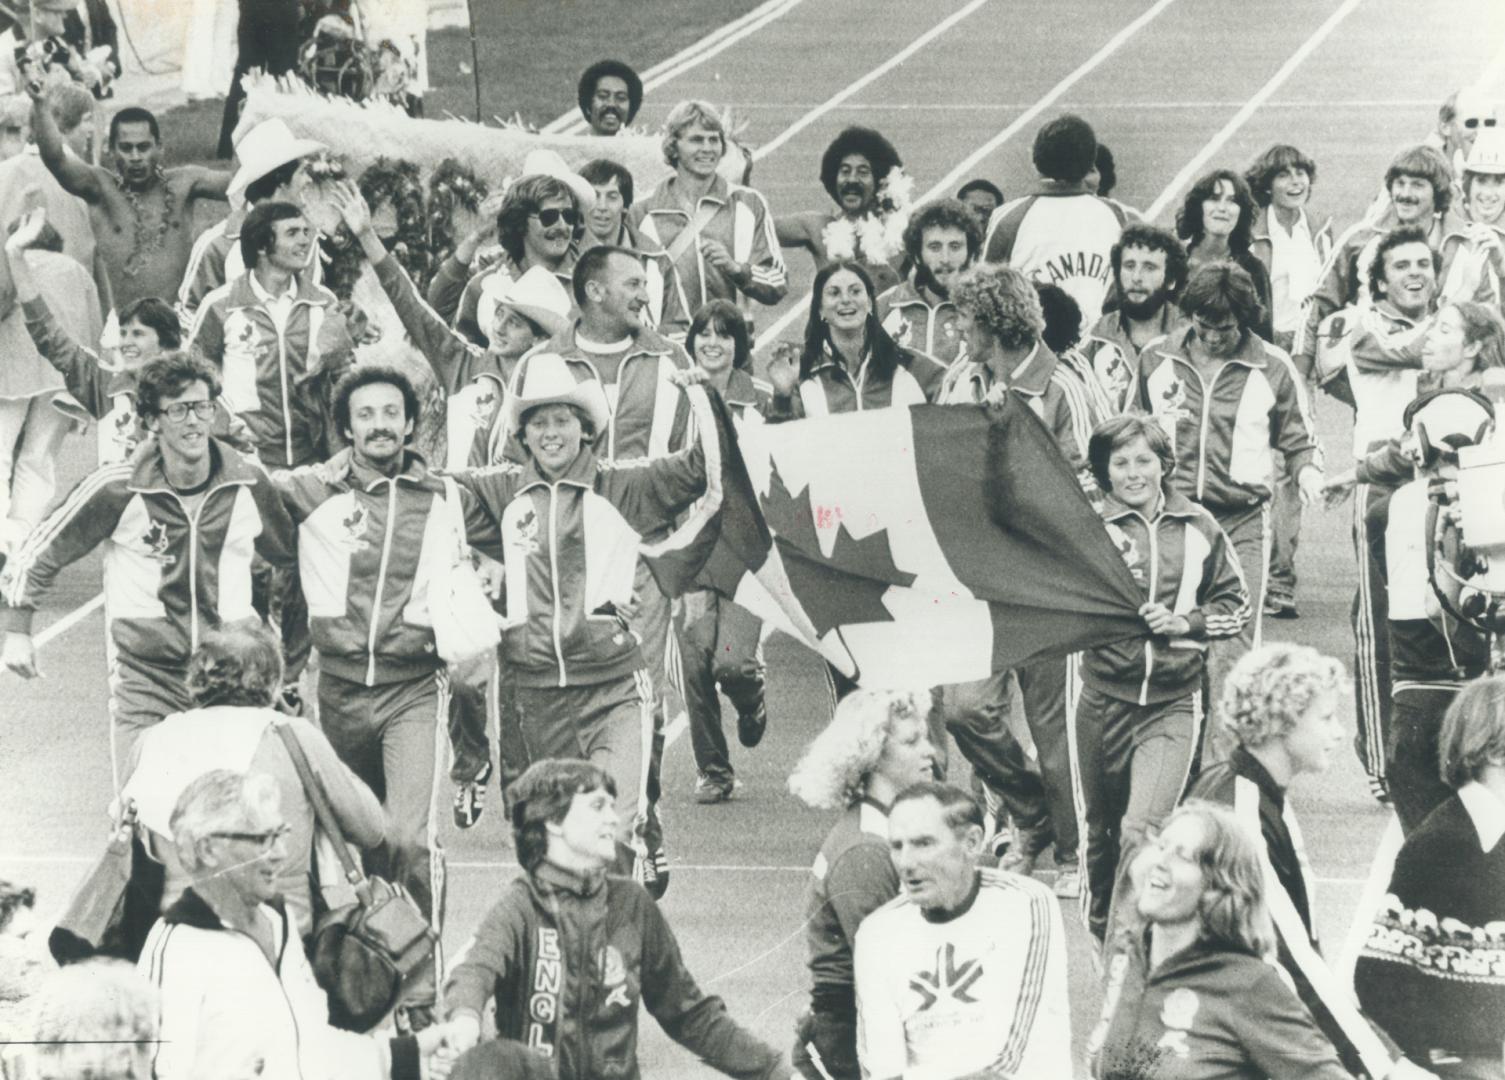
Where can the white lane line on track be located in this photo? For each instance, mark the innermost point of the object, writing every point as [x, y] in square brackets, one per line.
[1193, 167]
[949, 182]
[871, 77]
[452, 864]
[690, 57]
[1086, 106]
[68, 621]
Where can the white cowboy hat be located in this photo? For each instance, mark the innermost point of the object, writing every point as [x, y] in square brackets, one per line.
[549, 163]
[537, 295]
[547, 380]
[267, 146]
[1488, 152]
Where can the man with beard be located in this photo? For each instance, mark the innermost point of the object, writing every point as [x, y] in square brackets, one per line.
[1149, 268]
[1063, 232]
[610, 95]
[374, 522]
[853, 171]
[942, 239]
[142, 213]
[1420, 189]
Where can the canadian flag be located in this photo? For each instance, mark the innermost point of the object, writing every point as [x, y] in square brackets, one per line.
[923, 545]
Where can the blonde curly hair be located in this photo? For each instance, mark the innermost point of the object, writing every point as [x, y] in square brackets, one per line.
[1003, 302]
[1270, 688]
[834, 772]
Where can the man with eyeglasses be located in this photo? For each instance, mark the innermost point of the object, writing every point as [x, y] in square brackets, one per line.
[540, 223]
[1230, 401]
[179, 523]
[238, 997]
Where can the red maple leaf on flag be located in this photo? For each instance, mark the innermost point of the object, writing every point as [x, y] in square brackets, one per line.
[843, 588]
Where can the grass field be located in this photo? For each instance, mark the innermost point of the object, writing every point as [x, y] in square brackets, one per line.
[959, 86]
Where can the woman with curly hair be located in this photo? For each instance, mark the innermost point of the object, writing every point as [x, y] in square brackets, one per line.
[849, 362]
[1216, 222]
[877, 744]
[1279, 709]
[1191, 991]
[234, 677]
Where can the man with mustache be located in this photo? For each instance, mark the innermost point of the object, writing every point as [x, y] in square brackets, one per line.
[942, 239]
[142, 213]
[610, 95]
[1419, 184]
[852, 170]
[1149, 268]
[374, 525]
[540, 223]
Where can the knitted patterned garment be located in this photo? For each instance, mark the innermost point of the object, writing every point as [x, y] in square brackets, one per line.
[1433, 970]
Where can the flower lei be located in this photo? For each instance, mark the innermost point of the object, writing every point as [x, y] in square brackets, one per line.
[451, 187]
[878, 236]
[146, 241]
[399, 183]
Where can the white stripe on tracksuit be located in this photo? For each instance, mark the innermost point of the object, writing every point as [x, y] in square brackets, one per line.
[1366, 660]
[1337, 999]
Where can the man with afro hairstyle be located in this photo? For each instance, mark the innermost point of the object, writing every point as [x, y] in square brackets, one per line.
[852, 170]
[610, 95]
[941, 240]
[1062, 233]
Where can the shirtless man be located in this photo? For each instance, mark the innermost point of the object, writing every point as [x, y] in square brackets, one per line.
[141, 213]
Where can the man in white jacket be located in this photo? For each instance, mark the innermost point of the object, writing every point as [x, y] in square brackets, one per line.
[964, 972]
[238, 996]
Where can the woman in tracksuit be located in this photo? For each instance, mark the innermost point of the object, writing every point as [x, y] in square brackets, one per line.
[720, 642]
[1139, 715]
[1191, 993]
[571, 529]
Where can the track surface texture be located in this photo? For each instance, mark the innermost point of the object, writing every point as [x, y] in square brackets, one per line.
[1160, 81]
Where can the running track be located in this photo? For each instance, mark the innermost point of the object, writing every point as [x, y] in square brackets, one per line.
[959, 87]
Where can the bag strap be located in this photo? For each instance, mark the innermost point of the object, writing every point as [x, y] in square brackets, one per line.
[686, 239]
[313, 787]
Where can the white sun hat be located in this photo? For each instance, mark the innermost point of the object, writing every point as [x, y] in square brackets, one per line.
[537, 295]
[267, 146]
[547, 380]
[549, 163]
[1488, 152]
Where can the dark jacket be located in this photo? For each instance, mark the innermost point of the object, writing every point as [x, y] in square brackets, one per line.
[568, 958]
[1205, 1014]
[1246, 786]
[1183, 560]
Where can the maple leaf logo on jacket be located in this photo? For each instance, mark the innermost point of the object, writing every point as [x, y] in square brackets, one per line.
[948, 980]
[840, 589]
[156, 542]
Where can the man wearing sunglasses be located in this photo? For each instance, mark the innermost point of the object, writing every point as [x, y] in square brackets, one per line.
[179, 523]
[540, 223]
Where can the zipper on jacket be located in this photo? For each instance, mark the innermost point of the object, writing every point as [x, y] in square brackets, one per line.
[1206, 420]
[381, 580]
[193, 562]
[1149, 642]
[287, 408]
[554, 577]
